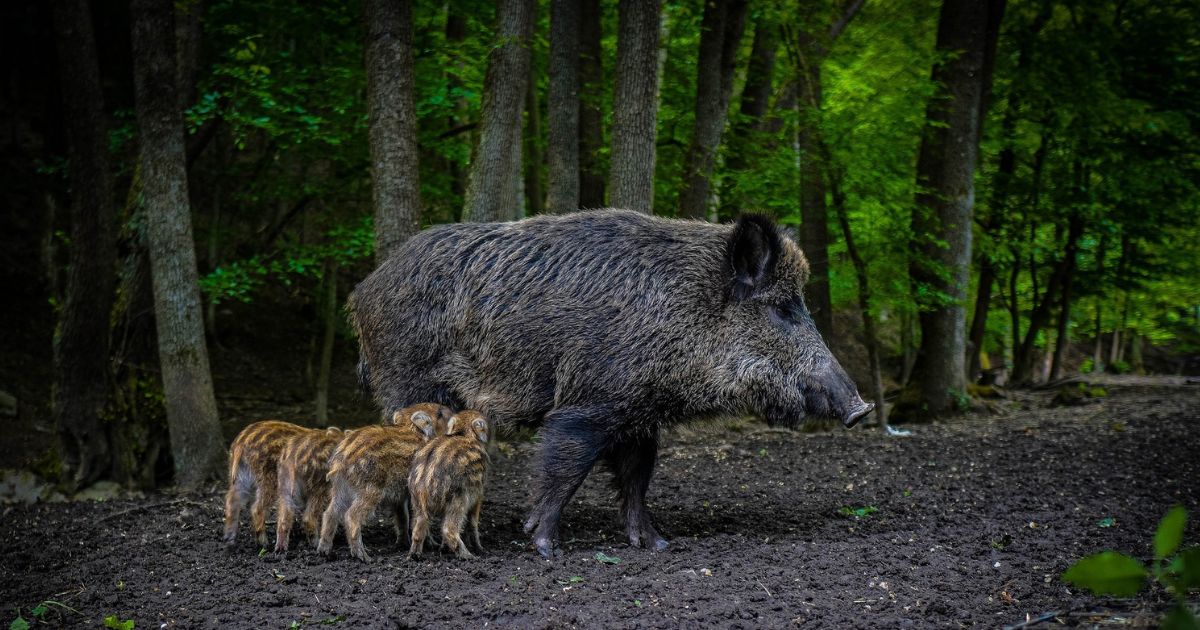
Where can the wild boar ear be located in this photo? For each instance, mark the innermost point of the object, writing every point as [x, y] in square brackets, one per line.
[450, 425]
[752, 251]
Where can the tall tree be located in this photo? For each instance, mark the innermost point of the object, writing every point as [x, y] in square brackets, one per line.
[591, 112]
[532, 191]
[81, 343]
[756, 97]
[635, 106]
[811, 47]
[720, 36]
[393, 123]
[493, 193]
[942, 214]
[564, 105]
[196, 443]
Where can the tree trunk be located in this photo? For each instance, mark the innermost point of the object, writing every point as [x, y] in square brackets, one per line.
[392, 120]
[563, 109]
[1098, 351]
[196, 442]
[720, 37]
[983, 301]
[1040, 315]
[187, 49]
[814, 221]
[591, 109]
[635, 106]
[752, 109]
[456, 33]
[494, 188]
[1014, 304]
[533, 148]
[329, 327]
[81, 342]
[214, 249]
[864, 291]
[942, 218]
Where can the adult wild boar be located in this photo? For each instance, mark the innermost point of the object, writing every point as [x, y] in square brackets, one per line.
[600, 327]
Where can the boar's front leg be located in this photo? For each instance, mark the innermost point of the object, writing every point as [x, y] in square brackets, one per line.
[572, 439]
[632, 463]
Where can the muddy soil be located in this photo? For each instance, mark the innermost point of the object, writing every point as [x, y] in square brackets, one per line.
[974, 522]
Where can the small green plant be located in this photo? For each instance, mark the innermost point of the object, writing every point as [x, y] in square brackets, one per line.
[607, 559]
[116, 623]
[574, 579]
[39, 614]
[1106, 522]
[1000, 545]
[1114, 573]
[858, 512]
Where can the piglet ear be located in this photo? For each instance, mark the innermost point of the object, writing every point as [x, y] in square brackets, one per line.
[481, 429]
[753, 250]
[397, 416]
[450, 425]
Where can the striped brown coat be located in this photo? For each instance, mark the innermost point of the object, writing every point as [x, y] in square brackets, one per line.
[253, 474]
[446, 479]
[303, 467]
[370, 467]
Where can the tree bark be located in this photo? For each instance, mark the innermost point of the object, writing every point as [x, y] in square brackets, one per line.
[456, 33]
[392, 120]
[942, 217]
[329, 327]
[188, 29]
[752, 110]
[196, 442]
[563, 110]
[864, 290]
[996, 211]
[533, 148]
[983, 302]
[1040, 315]
[81, 382]
[720, 36]
[494, 188]
[814, 221]
[635, 106]
[591, 112]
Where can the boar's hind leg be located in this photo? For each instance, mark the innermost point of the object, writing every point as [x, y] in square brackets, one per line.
[632, 464]
[572, 440]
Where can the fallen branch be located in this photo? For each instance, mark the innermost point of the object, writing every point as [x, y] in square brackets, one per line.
[151, 506]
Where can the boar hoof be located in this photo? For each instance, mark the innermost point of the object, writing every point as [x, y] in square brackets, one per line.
[546, 548]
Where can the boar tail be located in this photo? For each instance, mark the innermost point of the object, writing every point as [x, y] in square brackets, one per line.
[364, 377]
[364, 368]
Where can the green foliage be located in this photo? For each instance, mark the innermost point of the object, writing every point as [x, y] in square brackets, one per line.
[604, 558]
[1108, 573]
[858, 512]
[116, 623]
[1113, 573]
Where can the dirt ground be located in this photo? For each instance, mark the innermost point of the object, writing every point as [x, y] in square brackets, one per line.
[975, 520]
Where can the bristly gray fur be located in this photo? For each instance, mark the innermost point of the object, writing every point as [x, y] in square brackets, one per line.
[514, 319]
[600, 327]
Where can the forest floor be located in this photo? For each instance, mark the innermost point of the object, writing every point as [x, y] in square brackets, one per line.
[973, 523]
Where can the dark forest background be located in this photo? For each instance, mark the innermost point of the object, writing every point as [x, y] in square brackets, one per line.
[989, 192]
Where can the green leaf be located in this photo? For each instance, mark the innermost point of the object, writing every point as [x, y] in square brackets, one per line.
[1170, 532]
[19, 624]
[1187, 566]
[607, 559]
[1106, 522]
[1180, 618]
[1108, 573]
[39, 610]
[115, 623]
